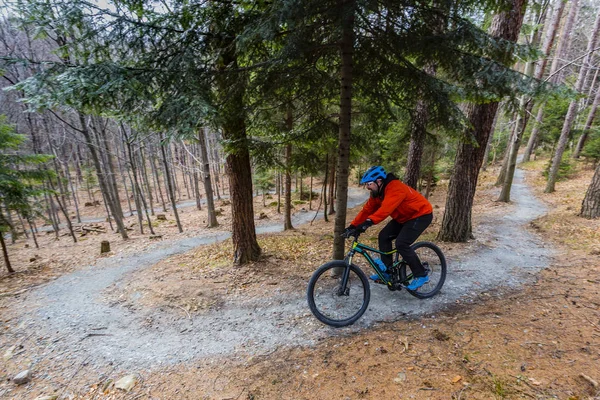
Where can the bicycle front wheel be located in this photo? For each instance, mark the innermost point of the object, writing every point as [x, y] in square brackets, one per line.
[338, 299]
[434, 262]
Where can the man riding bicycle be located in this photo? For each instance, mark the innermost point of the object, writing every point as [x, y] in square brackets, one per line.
[411, 214]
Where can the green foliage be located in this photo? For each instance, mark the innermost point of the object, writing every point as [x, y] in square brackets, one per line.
[564, 170]
[263, 180]
[19, 178]
[555, 111]
[591, 148]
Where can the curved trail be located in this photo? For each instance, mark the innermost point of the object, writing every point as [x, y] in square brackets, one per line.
[70, 311]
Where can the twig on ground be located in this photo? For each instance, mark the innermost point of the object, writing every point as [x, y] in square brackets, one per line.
[95, 334]
[590, 380]
[188, 314]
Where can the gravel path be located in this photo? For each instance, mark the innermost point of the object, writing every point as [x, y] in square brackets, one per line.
[70, 311]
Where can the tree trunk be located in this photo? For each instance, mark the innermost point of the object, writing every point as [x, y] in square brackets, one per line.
[9, 267]
[331, 184]
[170, 189]
[572, 112]
[33, 230]
[145, 179]
[73, 192]
[210, 202]
[456, 223]
[310, 194]
[324, 190]
[109, 202]
[232, 119]
[525, 107]
[287, 206]
[195, 177]
[157, 179]
[563, 44]
[418, 132]
[123, 178]
[588, 125]
[66, 214]
[488, 146]
[347, 9]
[590, 207]
[278, 184]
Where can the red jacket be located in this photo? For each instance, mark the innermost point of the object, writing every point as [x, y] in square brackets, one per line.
[399, 201]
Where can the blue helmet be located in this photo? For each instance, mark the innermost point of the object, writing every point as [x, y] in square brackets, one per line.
[373, 174]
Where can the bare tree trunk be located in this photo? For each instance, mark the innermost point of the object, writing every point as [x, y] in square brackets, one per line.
[310, 194]
[287, 206]
[156, 178]
[138, 193]
[52, 214]
[73, 192]
[525, 108]
[123, 178]
[33, 230]
[133, 177]
[146, 180]
[170, 190]
[210, 202]
[324, 190]
[590, 207]
[559, 54]
[109, 202]
[68, 220]
[104, 140]
[278, 184]
[331, 185]
[9, 267]
[588, 125]
[572, 112]
[486, 155]
[456, 223]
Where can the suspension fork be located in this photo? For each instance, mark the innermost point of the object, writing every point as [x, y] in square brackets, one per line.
[344, 290]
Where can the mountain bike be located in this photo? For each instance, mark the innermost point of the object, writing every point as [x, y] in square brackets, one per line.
[339, 293]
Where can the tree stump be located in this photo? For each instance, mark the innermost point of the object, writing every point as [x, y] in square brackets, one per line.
[104, 247]
[161, 217]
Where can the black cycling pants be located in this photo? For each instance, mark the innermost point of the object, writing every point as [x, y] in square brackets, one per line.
[405, 235]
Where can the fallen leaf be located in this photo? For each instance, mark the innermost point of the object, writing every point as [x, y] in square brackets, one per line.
[456, 379]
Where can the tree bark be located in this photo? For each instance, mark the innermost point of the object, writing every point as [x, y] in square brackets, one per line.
[456, 223]
[232, 119]
[109, 202]
[9, 267]
[287, 205]
[348, 9]
[588, 125]
[331, 184]
[559, 53]
[210, 201]
[525, 107]
[572, 112]
[154, 169]
[418, 133]
[170, 189]
[590, 207]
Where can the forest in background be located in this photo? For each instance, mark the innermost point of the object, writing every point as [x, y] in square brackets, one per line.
[132, 106]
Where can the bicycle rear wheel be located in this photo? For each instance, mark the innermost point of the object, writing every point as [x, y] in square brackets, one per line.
[434, 262]
[332, 302]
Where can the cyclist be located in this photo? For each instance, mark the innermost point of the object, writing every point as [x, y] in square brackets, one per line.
[411, 214]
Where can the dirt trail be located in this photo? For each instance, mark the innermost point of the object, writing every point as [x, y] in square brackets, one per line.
[79, 325]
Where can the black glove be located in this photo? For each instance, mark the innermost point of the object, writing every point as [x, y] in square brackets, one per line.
[364, 226]
[349, 231]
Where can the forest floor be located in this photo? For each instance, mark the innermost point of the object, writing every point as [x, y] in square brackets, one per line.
[519, 316]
